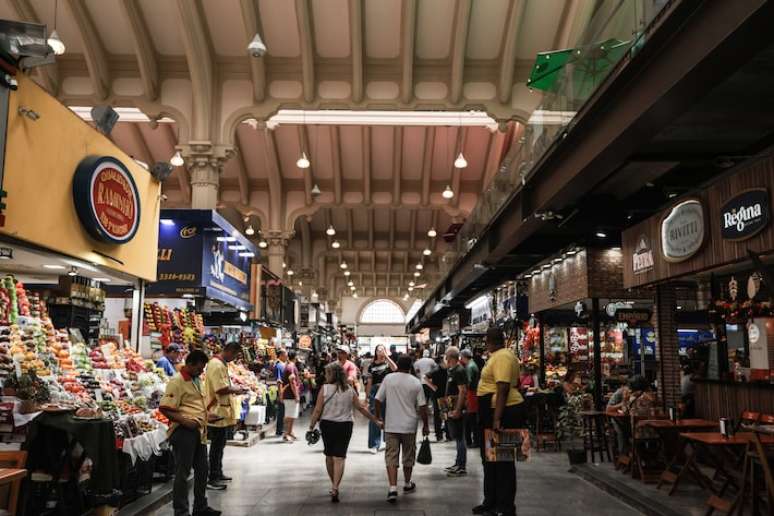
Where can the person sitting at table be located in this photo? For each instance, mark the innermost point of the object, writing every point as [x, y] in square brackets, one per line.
[643, 405]
[617, 405]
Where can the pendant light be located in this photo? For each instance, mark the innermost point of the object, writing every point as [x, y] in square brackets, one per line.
[448, 193]
[354, 295]
[427, 251]
[290, 272]
[411, 283]
[417, 274]
[432, 233]
[335, 244]
[249, 230]
[263, 244]
[330, 231]
[177, 160]
[315, 190]
[460, 162]
[54, 41]
[346, 273]
[420, 266]
[350, 283]
[303, 161]
[343, 265]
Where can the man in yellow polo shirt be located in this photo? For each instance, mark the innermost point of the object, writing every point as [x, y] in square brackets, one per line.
[183, 403]
[219, 394]
[500, 407]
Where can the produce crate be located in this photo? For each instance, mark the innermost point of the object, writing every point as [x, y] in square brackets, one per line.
[252, 439]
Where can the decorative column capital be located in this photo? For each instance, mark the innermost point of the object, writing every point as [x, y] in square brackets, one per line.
[206, 155]
[278, 238]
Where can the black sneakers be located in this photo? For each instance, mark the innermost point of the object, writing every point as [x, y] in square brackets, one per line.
[392, 496]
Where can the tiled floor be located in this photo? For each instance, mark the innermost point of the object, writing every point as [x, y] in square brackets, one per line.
[273, 478]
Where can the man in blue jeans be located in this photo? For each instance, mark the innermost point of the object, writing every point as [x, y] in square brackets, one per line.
[279, 373]
[456, 396]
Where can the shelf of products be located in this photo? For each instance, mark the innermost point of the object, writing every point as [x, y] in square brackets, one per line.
[173, 325]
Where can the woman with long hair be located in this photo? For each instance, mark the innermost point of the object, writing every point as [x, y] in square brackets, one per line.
[380, 366]
[334, 409]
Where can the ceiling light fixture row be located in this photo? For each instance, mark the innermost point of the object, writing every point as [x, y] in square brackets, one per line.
[551, 262]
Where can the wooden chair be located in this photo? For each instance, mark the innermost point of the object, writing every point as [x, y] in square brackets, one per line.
[9, 494]
[640, 461]
[766, 419]
[747, 418]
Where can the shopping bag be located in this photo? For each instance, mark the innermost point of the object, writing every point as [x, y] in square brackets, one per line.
[425, 456]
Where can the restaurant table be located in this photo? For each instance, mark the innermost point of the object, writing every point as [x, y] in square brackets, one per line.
[12, 476]
[707, 445]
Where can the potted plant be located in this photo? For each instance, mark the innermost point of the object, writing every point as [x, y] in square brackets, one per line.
[569, 428]
[31, 390]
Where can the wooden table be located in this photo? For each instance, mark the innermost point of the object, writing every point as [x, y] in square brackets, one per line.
[705, 444]
[13, 477]
[681, 424]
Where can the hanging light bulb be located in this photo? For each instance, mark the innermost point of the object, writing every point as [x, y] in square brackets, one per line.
[303, 161]
[350, 283]
[284, 265]
[432, 233]
[347, 273]
[352, 288]
[460, 162]
[448, 193]
[315, 190]
[343, 265]
[411, 283]
[417, 274]
[427, 251]
[354, 295]
[177, 160]
[335, 244]
[410, 289]
[330, 231]
[420, 266]
[263, 244]
[249, 231]
[290, 272]
[56, 43]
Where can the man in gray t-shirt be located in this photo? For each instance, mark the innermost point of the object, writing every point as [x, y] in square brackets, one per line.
[402, 393]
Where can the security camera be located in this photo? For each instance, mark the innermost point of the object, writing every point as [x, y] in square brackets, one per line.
[256, 48]
[161, 170]
[164, 197]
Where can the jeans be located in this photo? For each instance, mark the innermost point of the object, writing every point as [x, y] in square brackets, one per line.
[280, 416]
[457, 430]
[499, 477]
[217, 437]
[471, 429]
[189, 452]
[374, 432]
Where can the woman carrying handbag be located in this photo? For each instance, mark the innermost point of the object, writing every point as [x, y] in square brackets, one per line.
[334, 409]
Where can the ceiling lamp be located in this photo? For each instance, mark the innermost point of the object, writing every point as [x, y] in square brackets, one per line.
[56, 43]
[249, 231]
[460, 162]
[343, 265]
[601, 234]
[432, 233]
[335, 244]
[411, 283]
[448, 193]
[330, 231]
[352, 288]
[427, 251]
[290, 272]
[354, 295]
[284, 265]
[72, 272]
[315, 190]
[303, 161]
[410, 289]
[347, 273]
[300, 283]
[177, 159]
[350, 283]
[417, 274]
[263, 244]
[420, 266]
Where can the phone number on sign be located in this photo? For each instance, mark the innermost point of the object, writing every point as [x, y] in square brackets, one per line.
[176, 276]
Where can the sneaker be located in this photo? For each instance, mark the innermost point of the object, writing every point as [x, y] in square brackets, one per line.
[480, 509]
[459, 472]
[410, 488]
[382, 447]
[373, 451]
[450, 468]
[223, 478]
[214, 485]
[209, 511]
[392, 496]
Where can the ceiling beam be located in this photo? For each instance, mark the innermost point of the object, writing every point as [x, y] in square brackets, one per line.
[408, 32]
[201, 66]
[244, 180]
[183, 178]
[397, 164]
[508, 58]
[93, 50]
[366, 165]
[412, 228]
[462, 135]
[392, 229]
[336, 162]
[303, 142]
[306, 38]
[251, 17]
[356, 38]
[350, 223]
[370, 214]
[461, 26]
[276, 195]
[427, 163]
[49, 74]
[147, 61]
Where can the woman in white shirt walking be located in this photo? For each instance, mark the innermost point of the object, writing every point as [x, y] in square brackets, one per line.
[334, 409]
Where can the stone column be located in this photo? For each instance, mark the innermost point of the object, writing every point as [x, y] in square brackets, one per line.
[278, 243]
[668, 346]
[205, 163]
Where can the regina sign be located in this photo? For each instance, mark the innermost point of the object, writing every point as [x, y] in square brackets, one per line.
[682, 231]
[745, 215]
[106, 199]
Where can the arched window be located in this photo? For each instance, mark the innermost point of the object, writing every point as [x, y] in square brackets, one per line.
[382, 311]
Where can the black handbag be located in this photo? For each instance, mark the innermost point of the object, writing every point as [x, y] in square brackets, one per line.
[425, 456]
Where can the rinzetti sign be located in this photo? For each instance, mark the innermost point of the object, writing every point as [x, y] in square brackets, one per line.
[106, 199]
[745, 215]
[682, 231]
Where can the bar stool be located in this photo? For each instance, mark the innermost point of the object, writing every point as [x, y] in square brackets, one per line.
[595, 434]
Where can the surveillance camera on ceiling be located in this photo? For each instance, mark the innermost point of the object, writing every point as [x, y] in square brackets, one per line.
[161, 170]
[105, 117]
[256, 46]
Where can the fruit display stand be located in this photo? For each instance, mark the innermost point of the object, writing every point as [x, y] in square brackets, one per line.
[167, 325]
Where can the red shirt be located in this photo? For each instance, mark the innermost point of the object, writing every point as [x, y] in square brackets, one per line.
[291, 370]
[350, 369]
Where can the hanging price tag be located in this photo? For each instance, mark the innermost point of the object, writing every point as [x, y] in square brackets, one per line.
[98, 395]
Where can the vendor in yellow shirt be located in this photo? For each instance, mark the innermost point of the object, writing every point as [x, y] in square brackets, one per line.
[219, 393]
[183, 403]
[501, 406]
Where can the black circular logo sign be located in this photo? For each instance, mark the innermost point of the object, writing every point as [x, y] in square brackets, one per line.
[745, 215]
[106, 199]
